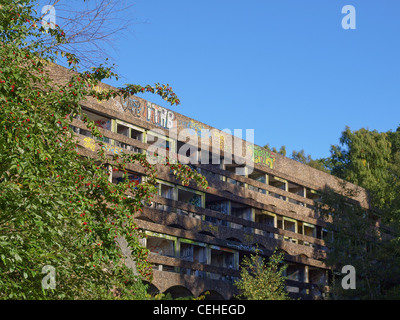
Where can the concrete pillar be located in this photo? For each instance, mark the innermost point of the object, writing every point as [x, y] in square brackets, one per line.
[177, 252]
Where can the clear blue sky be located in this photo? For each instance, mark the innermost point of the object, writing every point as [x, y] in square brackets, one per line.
[285, 68]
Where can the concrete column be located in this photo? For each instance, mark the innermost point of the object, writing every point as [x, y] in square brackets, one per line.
[177, 252]
[236, 260]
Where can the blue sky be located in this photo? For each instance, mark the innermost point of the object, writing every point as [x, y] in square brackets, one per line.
[285, 68]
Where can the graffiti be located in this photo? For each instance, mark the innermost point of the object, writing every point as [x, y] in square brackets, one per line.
[248, 238]
[210, 228]
[219, 206]
[187, 253]
[153, 113]
[243, 247]
[261, 155]
[159, 116]
[204, 132]
[104, 124]
[197, 127]
[113, 149]
[133, 178]
[89, 143]
[195, 200]
[223, 143]
[131, 105]
[155, 249]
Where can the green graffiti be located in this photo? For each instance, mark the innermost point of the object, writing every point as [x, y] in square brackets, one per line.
[262, 155]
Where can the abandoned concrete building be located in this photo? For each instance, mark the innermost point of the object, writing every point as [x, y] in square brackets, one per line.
[197, 238]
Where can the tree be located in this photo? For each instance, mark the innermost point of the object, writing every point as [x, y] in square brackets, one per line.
[90, 27]
[356, 239]
[300, 156]
[364, 158]
[58, 210]
[261, 280]
[282, 150]
[369, 159]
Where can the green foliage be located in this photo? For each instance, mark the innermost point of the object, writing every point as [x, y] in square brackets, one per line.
[371, 160]
[261, 280]
[282, 150]
[58, 208]
[364, 158]
[300, 156]
[357, 239]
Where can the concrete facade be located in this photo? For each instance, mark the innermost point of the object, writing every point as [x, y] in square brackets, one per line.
[197, 238]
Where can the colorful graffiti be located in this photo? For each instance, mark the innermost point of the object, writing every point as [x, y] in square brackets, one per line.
[104, 124]
[262, 155]
[204, 132]
[159, 116]
[133, 178]
[223, 143]
[196, 126]
[90, 144]
[131, 105]
[153, 113]
[113, 149]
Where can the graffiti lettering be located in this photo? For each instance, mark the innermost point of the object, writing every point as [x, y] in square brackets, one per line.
[197, 127]
[159, 116]
[89, 143]
[261, 155]
[113, 149]
[131, 105]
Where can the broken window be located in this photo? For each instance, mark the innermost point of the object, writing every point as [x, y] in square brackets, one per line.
[119, 176]
[160, 142]
[239, 210]
[265, 218]
[280, 184]
[195, 252]
[258, 176]
[190, 196]
[164, 246]
[289, 225]
[165, 190]
[292, 273]
[296, 189]
[235, 169]
[100, 120]
[130, 131]
[309, 230]
[217, 203]
[222, 258]
[313, 195]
